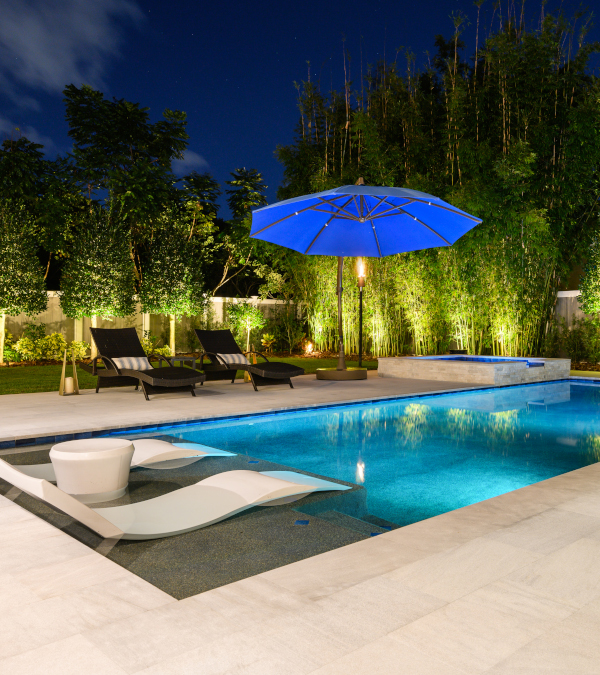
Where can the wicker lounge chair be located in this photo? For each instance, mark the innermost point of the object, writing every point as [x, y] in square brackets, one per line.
[125, 364]
[226, 358]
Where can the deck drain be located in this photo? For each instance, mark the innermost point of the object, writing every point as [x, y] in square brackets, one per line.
[301, 522]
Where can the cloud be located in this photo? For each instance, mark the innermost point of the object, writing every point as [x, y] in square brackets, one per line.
[10, 130]
[47, 44]
[191, 160]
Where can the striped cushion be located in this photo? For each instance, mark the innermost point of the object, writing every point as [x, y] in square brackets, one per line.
[132, 363]
[233, 358]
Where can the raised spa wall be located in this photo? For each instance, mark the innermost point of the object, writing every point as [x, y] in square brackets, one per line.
[447, 370]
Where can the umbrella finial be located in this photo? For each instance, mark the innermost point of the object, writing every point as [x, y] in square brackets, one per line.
[360, 181]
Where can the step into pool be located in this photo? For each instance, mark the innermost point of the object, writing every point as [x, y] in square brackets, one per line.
[419, 457]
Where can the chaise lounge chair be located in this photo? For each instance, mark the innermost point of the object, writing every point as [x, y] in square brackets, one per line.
[190, 508]
[149, 453]
[126, 364]
[226, 358]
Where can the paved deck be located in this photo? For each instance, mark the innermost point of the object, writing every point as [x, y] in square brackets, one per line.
[509, 586]
[25, 416]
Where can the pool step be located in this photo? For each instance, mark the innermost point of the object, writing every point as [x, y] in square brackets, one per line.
[387, 525]
[350, 523]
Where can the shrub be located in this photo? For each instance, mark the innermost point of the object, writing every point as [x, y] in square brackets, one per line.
[10, 353]
[53, 346]
[78, 350]
[28, 349]
[268, 341]
[35, 345]
[590, 337]
[48, 347]
[150, 343]
[580, 341]
[34, 331]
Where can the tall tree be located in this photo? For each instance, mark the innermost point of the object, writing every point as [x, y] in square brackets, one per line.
[118, 150]
[98, 278]
[47, 190]
[510, 135]
[173, 279]
[22, 288]
[234, 250]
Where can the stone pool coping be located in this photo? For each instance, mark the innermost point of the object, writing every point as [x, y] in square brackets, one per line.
[89, 431]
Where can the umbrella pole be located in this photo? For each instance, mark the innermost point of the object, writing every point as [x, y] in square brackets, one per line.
[341, 357]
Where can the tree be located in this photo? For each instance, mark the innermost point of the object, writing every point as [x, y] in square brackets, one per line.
[234, 250]
[46, 189]
[245, 317]
[173, 281]
[22, 288]
[118, 150]
[203, 189]
[98, 278]
[510, 135]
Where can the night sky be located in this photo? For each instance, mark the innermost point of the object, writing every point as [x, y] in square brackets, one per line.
[230, 65]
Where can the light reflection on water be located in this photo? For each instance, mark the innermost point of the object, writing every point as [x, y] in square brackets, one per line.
[426, 456]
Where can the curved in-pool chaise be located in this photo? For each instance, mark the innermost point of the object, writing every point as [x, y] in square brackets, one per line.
[149, 453]
[190, 508]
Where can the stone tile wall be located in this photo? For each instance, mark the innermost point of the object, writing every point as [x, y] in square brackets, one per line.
[475, 373]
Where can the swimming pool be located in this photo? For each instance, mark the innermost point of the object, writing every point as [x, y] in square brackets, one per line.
[424, 456]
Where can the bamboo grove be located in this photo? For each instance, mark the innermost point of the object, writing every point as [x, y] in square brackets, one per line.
[510, 134]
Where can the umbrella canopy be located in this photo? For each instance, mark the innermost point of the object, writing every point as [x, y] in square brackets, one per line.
[361, 220]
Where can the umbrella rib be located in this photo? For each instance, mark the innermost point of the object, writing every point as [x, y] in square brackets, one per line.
[437, 234]
[376, 238]
[312, 207]
[291, 215]
[320, 232]
[343, 209]
[462, 214]
[376, 206]
[383, 213]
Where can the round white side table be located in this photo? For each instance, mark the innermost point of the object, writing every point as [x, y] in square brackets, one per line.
[93, 469]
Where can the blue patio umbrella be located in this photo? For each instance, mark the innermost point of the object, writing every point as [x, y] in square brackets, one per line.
[360, 220]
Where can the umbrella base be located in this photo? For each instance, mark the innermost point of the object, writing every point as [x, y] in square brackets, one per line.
[348, 374]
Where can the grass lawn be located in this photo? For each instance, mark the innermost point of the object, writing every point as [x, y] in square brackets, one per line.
[27, 379]
[585, 373]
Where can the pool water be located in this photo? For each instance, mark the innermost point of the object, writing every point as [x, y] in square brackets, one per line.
[424, 456]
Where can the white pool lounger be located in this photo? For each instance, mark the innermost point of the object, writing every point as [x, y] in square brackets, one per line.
[149, 453]
[208, 501]
[155, 454]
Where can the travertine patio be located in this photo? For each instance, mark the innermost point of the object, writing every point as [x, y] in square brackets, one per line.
[509, 585]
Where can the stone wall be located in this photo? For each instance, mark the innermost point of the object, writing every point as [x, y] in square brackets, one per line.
[447, 370]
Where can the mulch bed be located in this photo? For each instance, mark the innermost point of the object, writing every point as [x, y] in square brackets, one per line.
[595, 367]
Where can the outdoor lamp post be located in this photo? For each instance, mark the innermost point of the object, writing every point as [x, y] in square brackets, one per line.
[361, 285]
